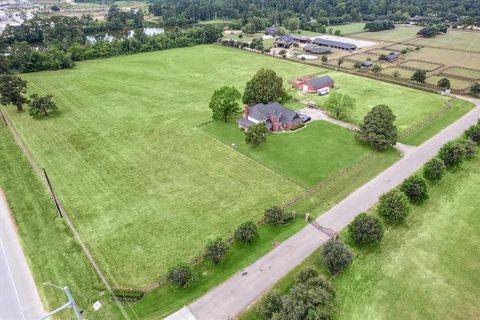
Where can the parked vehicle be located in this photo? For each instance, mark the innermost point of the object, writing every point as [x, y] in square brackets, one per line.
[304, 117]
[323, 91]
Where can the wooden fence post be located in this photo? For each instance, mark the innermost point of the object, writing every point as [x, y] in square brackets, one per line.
[53, 194]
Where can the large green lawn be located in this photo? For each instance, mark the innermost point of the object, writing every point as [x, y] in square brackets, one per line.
[304, 155]
[143, 184]
[462, 40]
[425, 269]
[51, 251]
[399, 34]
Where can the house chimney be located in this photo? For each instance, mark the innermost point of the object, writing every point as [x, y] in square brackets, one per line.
[245, 112]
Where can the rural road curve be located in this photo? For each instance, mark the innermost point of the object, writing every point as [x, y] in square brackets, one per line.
[234, 295]
[19, 298]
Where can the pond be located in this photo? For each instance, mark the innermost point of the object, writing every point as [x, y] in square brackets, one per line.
[121, 34]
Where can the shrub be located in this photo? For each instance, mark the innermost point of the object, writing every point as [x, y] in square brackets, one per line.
[276, 216]
[336, 256]
[307, 274]
[452, 153]
[393, 207]
[216, 250]
[181, 275]
[415, 187]
[271, 303]
[470, 148]
[365, 229]
[246, 232]
[473, 133]
[434, 170]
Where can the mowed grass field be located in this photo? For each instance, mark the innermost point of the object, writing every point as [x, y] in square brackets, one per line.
[52, 253]
[425, 269]
[144, 185]
[462, 40]
[304, 155]
[399, 34]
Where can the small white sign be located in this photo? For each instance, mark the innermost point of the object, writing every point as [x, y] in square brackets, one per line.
[97, 305]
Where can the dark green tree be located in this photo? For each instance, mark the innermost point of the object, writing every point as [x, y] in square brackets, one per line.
[474, 90]
[434, 170]
[271, 303]
[340, 104]
[247, 232]
[42, 105]
[264, 87]
[473, 133]
[12, 91]
[419, 76]
[224, 103]
[336, 256]
[324, 59]
[365, 229]
[181, 275]
[470, 148]
[416, 189]
[393, 207]
[376, 69]
[276, 216]
[452, 154]
[378, 128]
[216, 250]
[444, 83]
[256, 134]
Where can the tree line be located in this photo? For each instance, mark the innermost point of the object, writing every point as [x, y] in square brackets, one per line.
[183, 12]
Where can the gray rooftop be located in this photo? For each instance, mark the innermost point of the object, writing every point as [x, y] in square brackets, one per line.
[333, 43]
[320, 82]
[262, 112]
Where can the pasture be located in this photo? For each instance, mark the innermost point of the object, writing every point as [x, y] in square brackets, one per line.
[404, 73]
[399, 34]
[421, 65]
[455, 83]
[462, 72]
[462, 40]
[418, 264]
[134, 170]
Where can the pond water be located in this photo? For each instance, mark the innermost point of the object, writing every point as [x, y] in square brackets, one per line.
[121, 34]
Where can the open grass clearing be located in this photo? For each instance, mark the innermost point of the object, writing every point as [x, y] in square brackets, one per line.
[381, 51]
[363, 57]
[398, 47]
[463, 72]
[404, 73]
[418, 264]
[52, 252]
[455, 83]
[421, 65]
[305, 155]
[449, 58]
[350, 28]
[469, 41]
[399, 34]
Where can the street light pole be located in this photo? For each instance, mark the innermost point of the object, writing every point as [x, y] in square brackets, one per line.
[70, 304]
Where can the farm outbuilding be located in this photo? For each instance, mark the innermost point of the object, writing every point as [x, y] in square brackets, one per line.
[334, 44]
[284, 41]
[316, 49]
[316, 84]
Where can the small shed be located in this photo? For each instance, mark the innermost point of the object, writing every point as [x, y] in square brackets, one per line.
[316, 84]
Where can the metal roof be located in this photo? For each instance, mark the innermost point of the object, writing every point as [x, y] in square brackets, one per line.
[333, 43]
[319, 82]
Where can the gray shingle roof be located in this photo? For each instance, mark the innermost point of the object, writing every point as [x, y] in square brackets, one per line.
[393, 56]
[262, 112]
[335, 44]
[245, 122]
[319, 82]
[316, 49]
[285, 39]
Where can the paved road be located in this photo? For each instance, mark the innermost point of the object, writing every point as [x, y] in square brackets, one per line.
[19, 298]
[241, 290]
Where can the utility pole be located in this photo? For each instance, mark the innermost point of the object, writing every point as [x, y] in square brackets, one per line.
[70, 304]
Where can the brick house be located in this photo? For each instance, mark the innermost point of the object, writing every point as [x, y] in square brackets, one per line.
[275, 117]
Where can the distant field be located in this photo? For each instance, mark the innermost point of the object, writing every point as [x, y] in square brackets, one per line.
[456, 83]
[399, 34]
[350, 28]
[380, 51]
[462, 40]
[422, 65]
[457, 71]
[296, 155]
[447, 57]
[363, 57]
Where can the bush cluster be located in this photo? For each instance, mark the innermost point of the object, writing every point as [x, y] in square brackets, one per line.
[247, 232]
[181, 275]
[366, 229]
[216, 250]
[393, 207]
[416, 189]
[336, 256]
[276, 216]
[311, 297]
[434, 170]
[452, 154]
